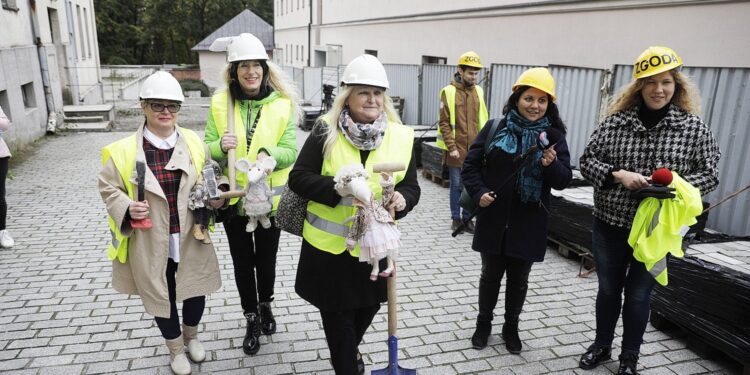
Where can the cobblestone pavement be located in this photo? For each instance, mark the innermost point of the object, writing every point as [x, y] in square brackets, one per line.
[59, 314]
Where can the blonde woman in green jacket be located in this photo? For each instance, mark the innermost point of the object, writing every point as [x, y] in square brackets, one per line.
[265, 113]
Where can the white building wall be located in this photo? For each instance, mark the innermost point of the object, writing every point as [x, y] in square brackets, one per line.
[69, 76]
[87, 65]
[589, 33]
[212, 66]
[291, 18]
[20, 73]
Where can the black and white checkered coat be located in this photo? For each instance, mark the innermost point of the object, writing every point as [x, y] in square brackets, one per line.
[680, 142]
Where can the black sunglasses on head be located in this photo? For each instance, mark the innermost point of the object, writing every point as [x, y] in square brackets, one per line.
[158, 107]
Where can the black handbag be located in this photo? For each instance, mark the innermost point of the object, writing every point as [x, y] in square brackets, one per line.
[291, 212]
[465, 200]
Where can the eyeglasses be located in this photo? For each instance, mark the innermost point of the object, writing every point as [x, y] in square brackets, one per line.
[158, 107]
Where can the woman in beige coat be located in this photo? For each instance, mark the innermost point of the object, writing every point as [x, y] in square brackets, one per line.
[162, 264]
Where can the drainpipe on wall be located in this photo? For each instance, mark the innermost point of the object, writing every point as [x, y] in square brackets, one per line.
[309, 36]
[50, 103]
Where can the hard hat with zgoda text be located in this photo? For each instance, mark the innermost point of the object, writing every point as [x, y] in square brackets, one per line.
[365, 70]
[655, 60]
[470, 58]
[161, 85]
[539, 78]
[245, 47]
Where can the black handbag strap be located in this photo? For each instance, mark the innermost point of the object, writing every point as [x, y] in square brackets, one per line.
[493, 129]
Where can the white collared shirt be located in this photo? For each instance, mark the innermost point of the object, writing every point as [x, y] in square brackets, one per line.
[162, 144]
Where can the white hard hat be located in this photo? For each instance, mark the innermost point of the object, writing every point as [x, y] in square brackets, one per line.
[365, 70]
[162, 85]
[246, 47]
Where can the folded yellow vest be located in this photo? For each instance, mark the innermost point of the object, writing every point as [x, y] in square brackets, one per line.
[660, 224]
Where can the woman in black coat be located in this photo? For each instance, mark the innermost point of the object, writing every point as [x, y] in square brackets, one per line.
[362, 127]
[511, 229]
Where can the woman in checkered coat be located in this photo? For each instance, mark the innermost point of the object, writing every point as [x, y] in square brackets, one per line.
[652, 123]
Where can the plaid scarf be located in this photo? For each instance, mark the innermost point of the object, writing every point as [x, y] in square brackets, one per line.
[169, 181]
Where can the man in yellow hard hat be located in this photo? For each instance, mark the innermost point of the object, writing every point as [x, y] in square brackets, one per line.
[462, 114]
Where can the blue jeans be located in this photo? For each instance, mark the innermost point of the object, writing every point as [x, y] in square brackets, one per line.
[612, 256]
[455, 194]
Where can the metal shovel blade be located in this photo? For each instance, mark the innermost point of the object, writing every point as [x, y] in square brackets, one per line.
[393, 367]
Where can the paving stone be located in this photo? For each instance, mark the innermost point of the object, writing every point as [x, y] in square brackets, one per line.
[109, 367]
[46, 360]
[62, 370]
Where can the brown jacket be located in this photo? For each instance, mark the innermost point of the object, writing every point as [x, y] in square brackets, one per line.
[144, 273]
[467, 107]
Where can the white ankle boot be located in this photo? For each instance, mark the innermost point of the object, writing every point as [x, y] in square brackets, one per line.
[179, 364]
[5, 239]
[195, 348]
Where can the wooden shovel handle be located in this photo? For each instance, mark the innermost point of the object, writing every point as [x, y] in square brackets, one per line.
[231, 154]
[392, 319]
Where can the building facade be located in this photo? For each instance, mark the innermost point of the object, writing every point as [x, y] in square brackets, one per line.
[590, 33]
[50, 58]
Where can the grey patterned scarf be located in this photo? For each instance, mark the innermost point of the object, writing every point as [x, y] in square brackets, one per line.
[363, 136]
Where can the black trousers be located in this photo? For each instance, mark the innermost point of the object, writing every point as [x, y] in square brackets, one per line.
[254, 258]
[493, 269]
[3, 204]
[192, 308]
[344, 331]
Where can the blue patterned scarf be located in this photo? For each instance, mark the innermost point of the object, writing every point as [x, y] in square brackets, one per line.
[529, 180]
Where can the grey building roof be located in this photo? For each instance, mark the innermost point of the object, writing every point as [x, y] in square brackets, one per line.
[245, 22]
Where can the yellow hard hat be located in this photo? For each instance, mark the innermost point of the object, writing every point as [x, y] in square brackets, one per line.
[470, 58]
[655, 60]
[539, 78]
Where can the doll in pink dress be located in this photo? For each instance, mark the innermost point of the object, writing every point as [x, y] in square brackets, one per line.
[372, 226]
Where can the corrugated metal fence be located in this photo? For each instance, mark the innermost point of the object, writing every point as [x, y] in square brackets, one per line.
[404, 81]
[503, 77]
[579, 92]
[313, 78]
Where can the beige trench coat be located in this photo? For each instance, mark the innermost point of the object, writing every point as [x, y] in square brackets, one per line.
[144, 273]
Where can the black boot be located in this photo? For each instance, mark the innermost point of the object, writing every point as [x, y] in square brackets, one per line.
[510, 335]
[455, 224]
[267, 322]
[481, 334]
[251, 343]
[628, 364]
[594, 356]
[469, 227]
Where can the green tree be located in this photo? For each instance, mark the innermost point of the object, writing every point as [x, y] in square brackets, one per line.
[161, 31]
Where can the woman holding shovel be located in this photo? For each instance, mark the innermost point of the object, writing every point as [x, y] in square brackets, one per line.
[145, 181]
[362, 127]
[511, 232]
[260, 123]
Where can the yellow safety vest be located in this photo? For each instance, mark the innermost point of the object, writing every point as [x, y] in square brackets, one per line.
[268, 131]
[660, 224]
[450, 97]
[324, 226]
[123, 155]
